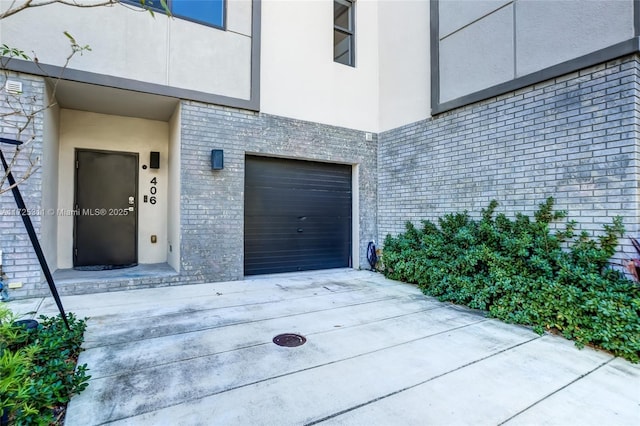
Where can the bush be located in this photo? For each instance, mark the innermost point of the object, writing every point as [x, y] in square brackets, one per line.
[38, 373]
[521, 272]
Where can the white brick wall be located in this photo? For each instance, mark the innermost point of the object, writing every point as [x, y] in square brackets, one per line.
[574, 138]
[19, 260]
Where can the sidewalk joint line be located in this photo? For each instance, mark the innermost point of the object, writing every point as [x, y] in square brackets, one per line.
[323, 365]
[355, 407]
[555, 391]
[228, 306]
[269, 342]
[237, 323]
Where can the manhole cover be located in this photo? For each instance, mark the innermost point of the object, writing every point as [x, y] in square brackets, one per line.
[289, 340]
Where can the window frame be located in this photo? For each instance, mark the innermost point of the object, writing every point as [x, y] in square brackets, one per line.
[160, 9]
[349, 32]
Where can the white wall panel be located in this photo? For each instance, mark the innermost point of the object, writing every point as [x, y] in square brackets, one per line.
[123, 42]
[128, 42]
[299, 78]
[566, 29]
[456, 14]
[173, 213]
[485, 43]
[404, 62]
[478, 56]
[49, 167]
[214, 61]
[239, 16]
[87, 130]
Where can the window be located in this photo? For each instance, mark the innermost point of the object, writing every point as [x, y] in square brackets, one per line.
[343, 33]
[207, 12]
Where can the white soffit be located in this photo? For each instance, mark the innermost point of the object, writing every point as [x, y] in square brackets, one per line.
[108, 100]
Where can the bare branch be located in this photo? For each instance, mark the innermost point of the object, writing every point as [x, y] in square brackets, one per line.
[31, 169]
[26, 4]
[13, 9]
[20, 114]
[25, 112]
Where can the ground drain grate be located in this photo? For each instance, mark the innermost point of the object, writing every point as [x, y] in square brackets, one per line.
[289, 340]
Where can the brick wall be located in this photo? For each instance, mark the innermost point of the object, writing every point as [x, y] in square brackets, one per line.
[20, 263]
[574, 138]
[212, 202]
[212, 215]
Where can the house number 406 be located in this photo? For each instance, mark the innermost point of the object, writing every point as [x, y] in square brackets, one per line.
[153, 190]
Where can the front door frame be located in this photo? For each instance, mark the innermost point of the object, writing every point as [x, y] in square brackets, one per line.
[135, 205]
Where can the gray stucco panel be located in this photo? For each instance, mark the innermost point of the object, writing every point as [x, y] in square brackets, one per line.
[457, 14]
[546, 36]
[478, 56]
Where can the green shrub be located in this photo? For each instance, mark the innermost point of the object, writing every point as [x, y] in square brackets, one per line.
[38, 373]
[521, 272]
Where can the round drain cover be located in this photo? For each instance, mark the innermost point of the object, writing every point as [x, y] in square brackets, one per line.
[289, 340]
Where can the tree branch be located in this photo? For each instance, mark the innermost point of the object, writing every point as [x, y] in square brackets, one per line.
[19, 117]
[13, 9]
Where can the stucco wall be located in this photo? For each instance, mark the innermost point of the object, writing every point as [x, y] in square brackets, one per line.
[485, 43]
[128, 42]
[299, 78]
[49, 165]
[79, 129]
[403, 63]
[173, 194]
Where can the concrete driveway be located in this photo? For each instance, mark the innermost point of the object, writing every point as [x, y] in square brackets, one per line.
[378, 352]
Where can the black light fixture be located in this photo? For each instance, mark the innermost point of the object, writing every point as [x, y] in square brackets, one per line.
[154, 160]
[217, 159]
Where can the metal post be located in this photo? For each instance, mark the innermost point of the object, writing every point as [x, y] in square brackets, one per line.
[24, 213]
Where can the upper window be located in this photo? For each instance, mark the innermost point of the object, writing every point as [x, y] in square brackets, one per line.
[343, 32]
[207, 12]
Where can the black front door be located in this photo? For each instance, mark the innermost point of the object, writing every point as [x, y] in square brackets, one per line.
[105, 232]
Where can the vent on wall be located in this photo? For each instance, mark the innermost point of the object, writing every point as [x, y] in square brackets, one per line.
[13, 87]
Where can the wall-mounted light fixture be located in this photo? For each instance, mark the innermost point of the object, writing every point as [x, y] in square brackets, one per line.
[217, 159]
[154, 160]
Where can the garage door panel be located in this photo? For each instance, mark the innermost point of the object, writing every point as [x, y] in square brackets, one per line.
[302, 181]
[272, 266]
[295, 223]
[325, 234]
[282, 243]
[270, 202]
[297, 215]
[293, 255]
[311, 175]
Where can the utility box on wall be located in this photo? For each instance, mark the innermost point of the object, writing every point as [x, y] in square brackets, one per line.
[217, 159]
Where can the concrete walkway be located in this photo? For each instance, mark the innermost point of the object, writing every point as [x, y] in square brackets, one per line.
[378, 352]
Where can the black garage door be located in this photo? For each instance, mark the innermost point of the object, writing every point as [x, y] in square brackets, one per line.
[297, 215]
